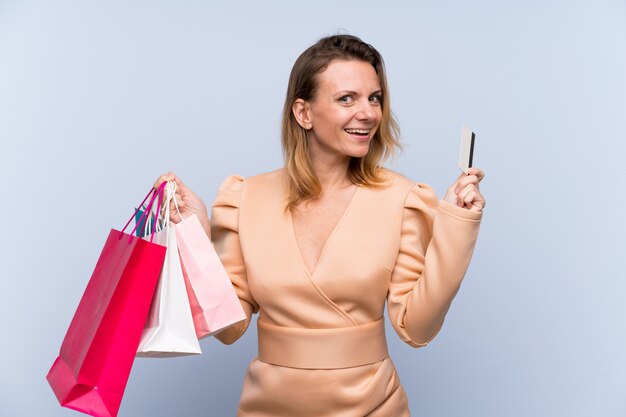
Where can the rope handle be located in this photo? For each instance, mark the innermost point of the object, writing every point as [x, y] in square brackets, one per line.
[152, 194]
[175, 202]
[164, 213]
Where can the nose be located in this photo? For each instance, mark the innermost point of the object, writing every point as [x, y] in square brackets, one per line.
[365, 111]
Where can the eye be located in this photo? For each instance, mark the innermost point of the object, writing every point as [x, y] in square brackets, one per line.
[347, 99]
[376, 99]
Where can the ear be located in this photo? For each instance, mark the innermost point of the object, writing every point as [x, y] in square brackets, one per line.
[302, 112]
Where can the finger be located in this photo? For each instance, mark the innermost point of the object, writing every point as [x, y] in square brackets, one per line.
[179, 198]
[176, 205]
[161, 180]
[175, 217]
[472, 176]
[164, 192]
[478, 202]
[174, 214]
[477, 207]
[177, 180]
[469, 198]
[480, 174]
[462, 195]
[466, 190]
[170, 176]
[463, 182]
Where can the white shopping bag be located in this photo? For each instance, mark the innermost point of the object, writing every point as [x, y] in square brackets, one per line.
[169, 329]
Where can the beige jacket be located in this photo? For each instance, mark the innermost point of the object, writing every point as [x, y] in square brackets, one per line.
[322, 346]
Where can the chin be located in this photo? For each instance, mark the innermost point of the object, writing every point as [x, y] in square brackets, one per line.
[359, 151]
[357, 154]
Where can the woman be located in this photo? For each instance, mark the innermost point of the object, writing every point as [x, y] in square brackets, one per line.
[317, 247]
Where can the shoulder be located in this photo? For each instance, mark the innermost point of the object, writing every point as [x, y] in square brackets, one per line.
[404, 188]
[267, 178]
[406, 198]
[395, 180]
[236, 182]
[253, 192]
[266, 184]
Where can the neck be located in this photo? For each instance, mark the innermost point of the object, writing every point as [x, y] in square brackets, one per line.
[332, 172]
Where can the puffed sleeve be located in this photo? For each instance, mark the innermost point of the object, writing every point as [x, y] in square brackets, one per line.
[225, 237]
[436, 244]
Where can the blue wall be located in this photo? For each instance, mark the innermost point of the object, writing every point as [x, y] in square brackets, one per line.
[98, 98]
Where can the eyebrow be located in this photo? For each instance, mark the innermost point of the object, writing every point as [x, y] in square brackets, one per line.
[355, 93]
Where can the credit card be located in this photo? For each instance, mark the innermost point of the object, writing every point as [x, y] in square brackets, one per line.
[466, 153]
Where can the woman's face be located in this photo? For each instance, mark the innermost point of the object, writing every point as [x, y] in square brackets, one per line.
[346, 110]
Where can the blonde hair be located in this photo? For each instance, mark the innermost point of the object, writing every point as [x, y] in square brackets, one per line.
[303, 183]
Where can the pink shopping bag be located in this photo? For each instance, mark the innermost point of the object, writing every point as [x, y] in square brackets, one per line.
[92, 369]
[214, 303]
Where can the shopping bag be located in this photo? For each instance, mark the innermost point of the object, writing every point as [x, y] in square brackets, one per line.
[97, 353]
[143, 223]
[214, 302]
[169, 329]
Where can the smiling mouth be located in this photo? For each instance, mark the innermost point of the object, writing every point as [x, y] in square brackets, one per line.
[358, 132]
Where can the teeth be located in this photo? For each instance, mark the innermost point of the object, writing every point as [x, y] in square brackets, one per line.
[360, 131]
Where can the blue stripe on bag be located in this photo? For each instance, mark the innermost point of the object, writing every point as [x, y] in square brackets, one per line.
[139, 231]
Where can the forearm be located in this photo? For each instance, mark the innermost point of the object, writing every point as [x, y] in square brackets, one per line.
[230, 334]
[447, 258]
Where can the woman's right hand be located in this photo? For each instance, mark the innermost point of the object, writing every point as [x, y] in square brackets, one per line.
[188, 202]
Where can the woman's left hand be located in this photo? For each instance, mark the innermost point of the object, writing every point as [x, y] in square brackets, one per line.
[465, 193]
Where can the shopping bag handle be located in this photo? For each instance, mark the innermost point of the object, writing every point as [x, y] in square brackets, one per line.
[152, 194]
[158, 196]
[168, 196]
[151, 226]
[175, 202]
